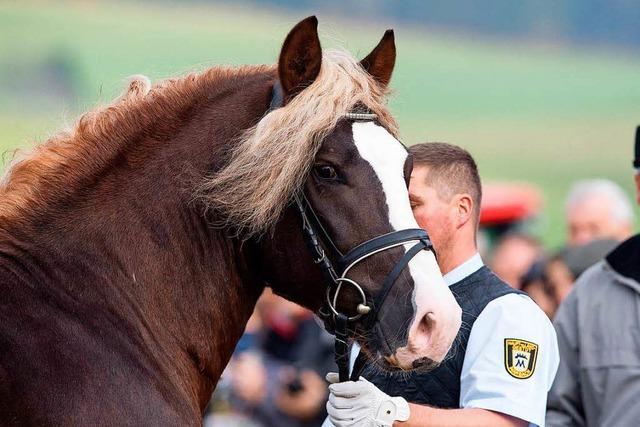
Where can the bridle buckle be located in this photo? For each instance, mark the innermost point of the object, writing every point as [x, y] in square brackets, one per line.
[322, 255]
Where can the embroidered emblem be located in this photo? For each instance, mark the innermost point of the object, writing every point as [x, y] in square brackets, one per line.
[520, 357]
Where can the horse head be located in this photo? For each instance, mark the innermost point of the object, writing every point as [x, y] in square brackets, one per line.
[351, 186]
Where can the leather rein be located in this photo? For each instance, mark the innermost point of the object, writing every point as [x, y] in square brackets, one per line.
[319, 241]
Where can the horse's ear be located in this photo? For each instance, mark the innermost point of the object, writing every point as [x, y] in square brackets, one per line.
[300, 57]
[379, 63]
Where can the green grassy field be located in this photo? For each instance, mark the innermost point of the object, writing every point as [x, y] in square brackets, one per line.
[547, 115]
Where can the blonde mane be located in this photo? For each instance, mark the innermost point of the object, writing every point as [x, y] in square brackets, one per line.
[267, 165]
[273, 158]
[54, 167]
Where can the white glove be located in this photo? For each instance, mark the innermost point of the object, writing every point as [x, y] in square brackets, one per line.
[360, 403]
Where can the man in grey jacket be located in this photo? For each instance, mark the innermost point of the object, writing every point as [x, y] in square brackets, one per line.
[598, 327]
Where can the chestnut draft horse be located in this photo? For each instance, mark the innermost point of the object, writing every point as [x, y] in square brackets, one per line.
[134, 246]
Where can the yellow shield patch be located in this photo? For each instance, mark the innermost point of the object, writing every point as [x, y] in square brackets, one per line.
[520, 357]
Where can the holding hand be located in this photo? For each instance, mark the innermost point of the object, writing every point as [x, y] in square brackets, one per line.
[360, 403]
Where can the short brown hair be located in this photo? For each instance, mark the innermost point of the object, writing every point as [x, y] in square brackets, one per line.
[452, 171]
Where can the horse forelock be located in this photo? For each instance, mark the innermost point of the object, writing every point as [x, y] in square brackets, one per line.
[272, 159]
[35, 176]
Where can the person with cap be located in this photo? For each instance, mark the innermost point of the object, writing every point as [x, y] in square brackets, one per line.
[598, 326]
[505, 356]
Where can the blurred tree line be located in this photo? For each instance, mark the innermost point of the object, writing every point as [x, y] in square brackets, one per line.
[604, 22]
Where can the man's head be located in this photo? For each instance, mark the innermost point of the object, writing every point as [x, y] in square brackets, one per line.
[445, 195]
[597, 209]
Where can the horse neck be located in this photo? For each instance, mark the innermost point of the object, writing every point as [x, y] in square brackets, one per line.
[134, 247]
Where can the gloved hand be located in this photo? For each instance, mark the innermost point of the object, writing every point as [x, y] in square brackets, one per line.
[360, 403]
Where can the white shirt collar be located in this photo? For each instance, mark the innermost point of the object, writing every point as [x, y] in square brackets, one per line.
[465, 269]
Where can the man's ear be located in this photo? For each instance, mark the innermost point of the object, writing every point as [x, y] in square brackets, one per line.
[300, 58]
[464, 206]
[636, 177]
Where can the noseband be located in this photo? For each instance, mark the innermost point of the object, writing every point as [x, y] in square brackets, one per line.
[368, 308]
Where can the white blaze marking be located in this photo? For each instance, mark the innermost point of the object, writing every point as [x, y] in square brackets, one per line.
[387, 157]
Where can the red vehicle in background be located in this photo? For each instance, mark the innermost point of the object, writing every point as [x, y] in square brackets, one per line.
[507, 207]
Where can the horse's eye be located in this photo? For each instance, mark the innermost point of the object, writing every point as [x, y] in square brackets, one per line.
[326, 172]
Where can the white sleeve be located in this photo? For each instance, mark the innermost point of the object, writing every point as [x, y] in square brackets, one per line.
[511, 360]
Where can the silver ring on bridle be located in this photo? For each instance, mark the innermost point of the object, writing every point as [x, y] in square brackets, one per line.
[362, 308]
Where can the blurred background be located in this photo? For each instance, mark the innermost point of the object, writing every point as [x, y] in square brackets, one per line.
[540, 91]
[543, 93]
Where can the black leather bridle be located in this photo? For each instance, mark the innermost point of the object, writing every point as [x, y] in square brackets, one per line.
[319, 242]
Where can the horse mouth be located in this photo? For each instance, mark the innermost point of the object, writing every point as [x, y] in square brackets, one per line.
[391, 363]
[423, 364]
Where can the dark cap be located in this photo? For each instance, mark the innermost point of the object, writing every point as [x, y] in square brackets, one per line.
[579, 258]
[636, 160]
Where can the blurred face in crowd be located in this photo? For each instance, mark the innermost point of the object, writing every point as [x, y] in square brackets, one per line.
[512, 259]
[591, 219]
[559, 278]
[538, 292]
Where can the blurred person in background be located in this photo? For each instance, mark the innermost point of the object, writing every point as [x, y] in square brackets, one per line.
[533, 283]
[598, 326]
[548, 281]
[564, 268]
[513, 256]
[279, 380]
[505, 357]
[597, 209]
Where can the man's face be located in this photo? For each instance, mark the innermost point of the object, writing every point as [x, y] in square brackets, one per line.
[431, 212]
[591, 219]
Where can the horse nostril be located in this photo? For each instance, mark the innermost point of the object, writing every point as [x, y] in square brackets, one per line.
[427, 323]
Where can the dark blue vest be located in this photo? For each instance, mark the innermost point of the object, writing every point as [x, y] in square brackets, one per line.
[441, 386]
